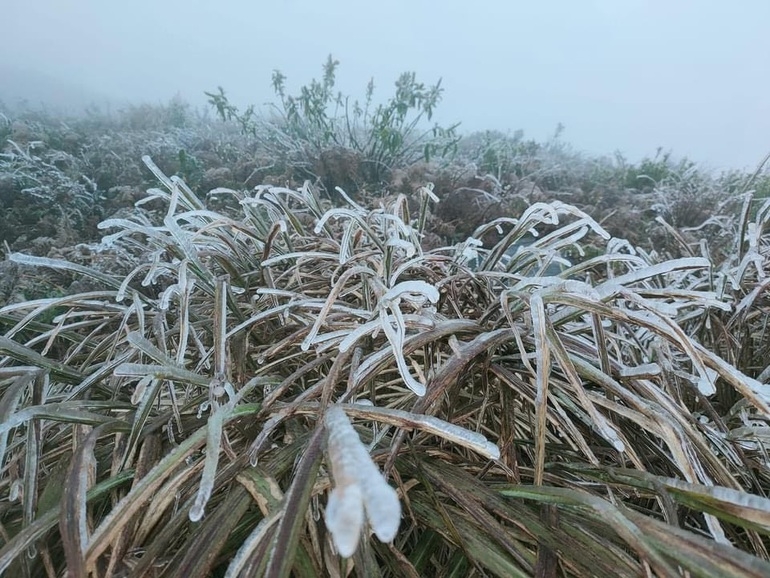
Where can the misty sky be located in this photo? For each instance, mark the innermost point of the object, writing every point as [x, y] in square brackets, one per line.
[628, 75]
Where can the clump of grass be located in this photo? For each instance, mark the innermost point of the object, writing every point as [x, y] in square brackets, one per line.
[174, 421]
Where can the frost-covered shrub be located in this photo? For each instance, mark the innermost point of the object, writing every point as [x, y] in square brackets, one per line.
[389, 135]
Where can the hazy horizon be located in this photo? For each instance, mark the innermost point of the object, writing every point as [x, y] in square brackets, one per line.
[690, 77]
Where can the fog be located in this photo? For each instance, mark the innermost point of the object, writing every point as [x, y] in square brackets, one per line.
[627, 75]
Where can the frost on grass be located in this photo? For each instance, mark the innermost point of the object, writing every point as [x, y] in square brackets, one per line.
[418, 293]
[359, 488]
[213, 444]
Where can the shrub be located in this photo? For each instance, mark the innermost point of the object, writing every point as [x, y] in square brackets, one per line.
[387, 136]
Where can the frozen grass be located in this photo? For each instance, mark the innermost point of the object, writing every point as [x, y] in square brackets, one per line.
[610, 421]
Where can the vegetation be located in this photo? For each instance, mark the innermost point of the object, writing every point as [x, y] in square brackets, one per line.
[386, 136]
[244, 376]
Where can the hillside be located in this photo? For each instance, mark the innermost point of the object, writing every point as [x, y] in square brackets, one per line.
[323, 345]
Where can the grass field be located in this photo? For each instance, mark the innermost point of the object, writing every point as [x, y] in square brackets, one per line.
[317, 344]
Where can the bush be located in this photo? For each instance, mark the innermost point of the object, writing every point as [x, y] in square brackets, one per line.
[387, 136]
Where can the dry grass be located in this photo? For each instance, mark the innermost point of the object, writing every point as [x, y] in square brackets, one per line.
[610, 421]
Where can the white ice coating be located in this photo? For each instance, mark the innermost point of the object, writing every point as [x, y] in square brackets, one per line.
[358, 487]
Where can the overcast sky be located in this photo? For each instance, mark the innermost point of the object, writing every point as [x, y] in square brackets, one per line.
[628, 75]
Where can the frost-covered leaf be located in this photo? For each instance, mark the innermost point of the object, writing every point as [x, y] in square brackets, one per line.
[430, 424]
[358, 487]
[345, 517]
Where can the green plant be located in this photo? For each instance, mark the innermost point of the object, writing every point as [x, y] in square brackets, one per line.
[552, 165]
[387, 136]
[762, 187]
[189, 168]
[504, 156]
[653, 172]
